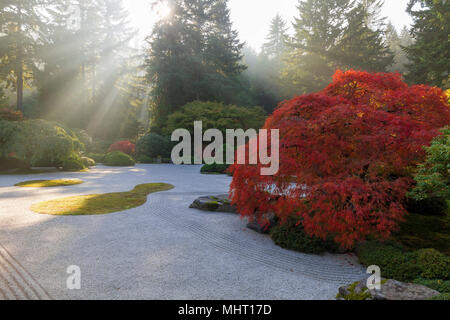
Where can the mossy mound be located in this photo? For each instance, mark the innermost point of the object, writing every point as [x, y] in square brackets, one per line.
[49, 183]
[97, 204]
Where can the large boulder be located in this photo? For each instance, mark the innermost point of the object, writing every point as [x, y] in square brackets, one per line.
[390, 290]
[220, 203]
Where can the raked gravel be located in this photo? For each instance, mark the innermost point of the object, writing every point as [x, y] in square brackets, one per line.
[162, 250]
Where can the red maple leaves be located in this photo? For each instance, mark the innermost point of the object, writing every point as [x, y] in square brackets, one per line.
[123, 146]
[347, 155]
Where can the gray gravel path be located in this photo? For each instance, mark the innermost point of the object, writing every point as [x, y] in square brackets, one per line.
[162, 250]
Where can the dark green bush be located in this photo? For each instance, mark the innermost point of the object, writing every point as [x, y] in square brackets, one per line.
[433, 264]
[215, 168]
[443, 286]
[428, 206]
[394, 262]
[397, 263]
[97, 157]
[73, 163]
[118, 159]
[145, 159]
[88, 162]
[293, 237]
[153, 145]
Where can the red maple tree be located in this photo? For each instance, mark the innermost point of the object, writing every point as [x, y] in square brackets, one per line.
[123, 146]
[347, 156]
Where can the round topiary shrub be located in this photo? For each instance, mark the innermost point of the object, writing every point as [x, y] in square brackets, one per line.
[73, 163]
[153, 145]
[118, 159]
[433, 264]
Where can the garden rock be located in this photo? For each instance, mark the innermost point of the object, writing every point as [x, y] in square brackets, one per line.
[220, 203]
[391, 290]
[264, 224]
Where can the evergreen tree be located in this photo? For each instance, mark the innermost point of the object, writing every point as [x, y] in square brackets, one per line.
[334, 34]
[430, 53]
[363, 45]
[277, 38]
[24, 25]
[396, 43]
[194, 54]
[308, 65]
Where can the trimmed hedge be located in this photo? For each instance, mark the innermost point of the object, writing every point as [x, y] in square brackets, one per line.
[73, 163]
[215, 168]
[292, 236]
[398, 264]
[118, 159]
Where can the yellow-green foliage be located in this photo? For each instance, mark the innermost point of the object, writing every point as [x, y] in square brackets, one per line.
[49, 183]
[40, 143]
[100, 203]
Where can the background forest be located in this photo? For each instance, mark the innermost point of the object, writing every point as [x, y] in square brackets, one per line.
[77, 62]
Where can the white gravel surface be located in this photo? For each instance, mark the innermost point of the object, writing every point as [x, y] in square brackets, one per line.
[162, 250]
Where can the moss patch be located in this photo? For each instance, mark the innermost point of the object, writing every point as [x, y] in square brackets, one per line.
[49, 183]
[100, 203]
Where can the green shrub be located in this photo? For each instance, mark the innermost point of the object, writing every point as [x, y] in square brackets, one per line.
[433, 264]
[443, 286]
[421, 232]
[118, 159]
[394, 262]
[153, 145]
[293, 237]
[442, 297]
[97, 157]
[38, 142]
[433, 178]
[145, 159]
[73, 163]
[215, 115]
[398, 264]
[88, 162]
[428, 206]
[215, 168]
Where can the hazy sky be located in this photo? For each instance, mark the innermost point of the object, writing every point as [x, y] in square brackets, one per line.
[252, 17]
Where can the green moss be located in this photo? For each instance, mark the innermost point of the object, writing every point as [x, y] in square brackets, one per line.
[212, 206]
[100, 203]
[49, 183]
[354, 296]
